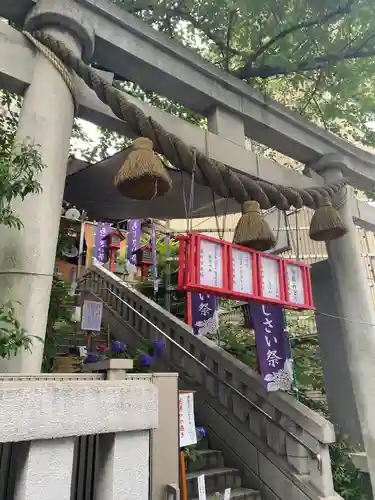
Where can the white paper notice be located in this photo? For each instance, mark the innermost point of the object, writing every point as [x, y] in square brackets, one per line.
[82, 351]
[188, 435]
[201, 488]
[211, 264]
[270, 281]
[295, 284]
[242, 271]
[227, 494]
[92, 315]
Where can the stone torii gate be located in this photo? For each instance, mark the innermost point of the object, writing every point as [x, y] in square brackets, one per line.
[100, 31]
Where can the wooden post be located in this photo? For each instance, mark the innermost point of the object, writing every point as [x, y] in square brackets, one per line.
[188, 310]
[183, 476]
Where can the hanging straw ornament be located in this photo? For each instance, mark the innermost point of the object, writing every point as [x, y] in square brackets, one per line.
[326, 223]
[252, 230]
[142, 176]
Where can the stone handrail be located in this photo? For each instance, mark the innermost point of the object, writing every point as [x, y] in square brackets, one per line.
[273, 438]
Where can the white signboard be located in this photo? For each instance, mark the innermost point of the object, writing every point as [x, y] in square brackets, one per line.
[211, 264]
[188, 435]
[242, 271]
[295, 284]
[92, 315]
[270, 281]
[201, 488]
[227, 494]
[82, 351]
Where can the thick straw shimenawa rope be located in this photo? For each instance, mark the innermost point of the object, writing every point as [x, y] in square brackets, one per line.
[65, 74]
[222, 180]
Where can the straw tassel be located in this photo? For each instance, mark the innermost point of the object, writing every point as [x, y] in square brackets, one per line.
[142, 176]
[252, 230]
[326, 223]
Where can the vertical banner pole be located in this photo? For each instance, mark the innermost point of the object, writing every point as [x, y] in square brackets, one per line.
[167, 297]
[154, 259]
[81, 245]
[183, 476]
[109, 340]
[188, 309]
[112, 260]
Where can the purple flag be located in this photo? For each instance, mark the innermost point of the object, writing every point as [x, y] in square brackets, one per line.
[273, 348]
[205, 313]
[101, 245]
[154, 258]
[134, 240]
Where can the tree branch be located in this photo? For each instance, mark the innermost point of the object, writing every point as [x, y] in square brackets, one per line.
[186, 16]
[325, 124]
[245, 71]
[317, 63]
[313, 92]
[228, 52]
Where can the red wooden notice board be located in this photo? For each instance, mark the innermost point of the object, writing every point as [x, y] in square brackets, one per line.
[228, 270]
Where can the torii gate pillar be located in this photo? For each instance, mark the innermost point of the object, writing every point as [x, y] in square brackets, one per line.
[28, 256]
[354, 303]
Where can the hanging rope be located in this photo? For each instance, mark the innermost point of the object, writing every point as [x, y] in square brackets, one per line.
[189, 208]
[220, 232]
[59, 66]
[219, 177]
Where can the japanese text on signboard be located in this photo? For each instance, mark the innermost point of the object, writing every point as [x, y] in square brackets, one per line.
[188, 435]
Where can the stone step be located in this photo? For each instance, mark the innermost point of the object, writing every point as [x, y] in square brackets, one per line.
[216, 480]
[206, 459]
[237, 494]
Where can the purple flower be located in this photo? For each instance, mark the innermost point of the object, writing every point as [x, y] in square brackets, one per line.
[92, 357]
[202, 431]
[118, 347]
[145, 360]
[159, 348]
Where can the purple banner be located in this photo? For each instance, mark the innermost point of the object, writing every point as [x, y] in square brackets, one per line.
[154, 258]
[205, 313]
[134, 240]
[273, 348]
[101, 245]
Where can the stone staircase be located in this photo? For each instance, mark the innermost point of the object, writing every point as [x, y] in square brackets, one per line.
[217, 477]
[270, 442]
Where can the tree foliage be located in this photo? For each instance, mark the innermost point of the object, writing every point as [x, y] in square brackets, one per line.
[316, 56]
[20, 165]
[60, 322]
[13, 337]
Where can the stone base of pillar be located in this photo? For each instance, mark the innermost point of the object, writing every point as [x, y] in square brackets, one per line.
[119, 476]
[46, 470]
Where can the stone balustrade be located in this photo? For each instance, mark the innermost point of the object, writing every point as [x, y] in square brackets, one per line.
[279, 444]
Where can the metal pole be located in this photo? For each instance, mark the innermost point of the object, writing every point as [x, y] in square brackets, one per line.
[81, 245]
[167, 296]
